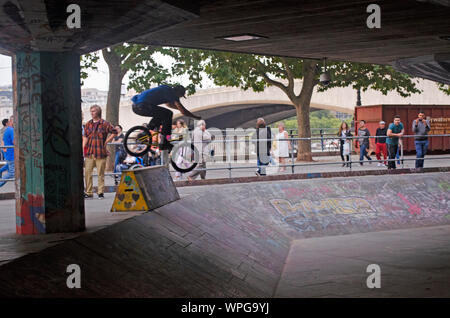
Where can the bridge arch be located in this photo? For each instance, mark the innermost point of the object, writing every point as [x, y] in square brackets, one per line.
[244, 113]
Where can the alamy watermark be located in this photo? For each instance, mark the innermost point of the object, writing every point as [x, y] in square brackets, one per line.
[74, 279]
[374, 19]
[74, 19]
[374, 279]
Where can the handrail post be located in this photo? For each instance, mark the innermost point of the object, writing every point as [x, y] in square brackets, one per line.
[292, 157]
[321, 138]
[228, 150]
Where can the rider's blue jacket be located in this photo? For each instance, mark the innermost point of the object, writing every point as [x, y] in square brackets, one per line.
[156, 96]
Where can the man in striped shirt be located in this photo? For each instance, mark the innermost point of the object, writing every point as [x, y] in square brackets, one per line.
[97, 134]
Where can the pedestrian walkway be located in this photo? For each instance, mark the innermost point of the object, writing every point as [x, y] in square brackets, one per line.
[334, 165]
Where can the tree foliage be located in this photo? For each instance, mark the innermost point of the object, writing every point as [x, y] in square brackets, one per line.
[319, 119]
[445, 88]
[256, 72]
[88, 62]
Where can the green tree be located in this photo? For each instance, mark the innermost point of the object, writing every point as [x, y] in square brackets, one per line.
[318, 119]
[138, 60]
[445, 88]
[256, 72]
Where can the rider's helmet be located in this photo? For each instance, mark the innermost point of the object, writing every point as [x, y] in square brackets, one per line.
[180, 90]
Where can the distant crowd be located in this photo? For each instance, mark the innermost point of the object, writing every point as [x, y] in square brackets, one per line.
[388, 141]
[98, 133]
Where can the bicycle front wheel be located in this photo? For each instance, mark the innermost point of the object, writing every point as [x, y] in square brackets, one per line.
[184, 157]
[137, 141]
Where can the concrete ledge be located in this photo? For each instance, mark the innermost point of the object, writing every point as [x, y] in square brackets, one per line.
[308, 176]
[111, 189]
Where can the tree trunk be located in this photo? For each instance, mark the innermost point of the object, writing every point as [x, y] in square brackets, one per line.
[302, 106]
[304, 131]
[116, 74]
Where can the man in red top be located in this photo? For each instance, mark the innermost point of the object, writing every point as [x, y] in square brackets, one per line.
[97, 134]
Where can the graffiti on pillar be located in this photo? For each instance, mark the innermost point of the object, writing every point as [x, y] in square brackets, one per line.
[30, 215]
[31, 219]
[55, 112]
[49, 175]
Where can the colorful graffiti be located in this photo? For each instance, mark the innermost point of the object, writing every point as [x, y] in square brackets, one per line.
[129, 196]
[31, 219]
[412, 208]
[308, 208]
[376, 203]
[49, 143]
[31, 212]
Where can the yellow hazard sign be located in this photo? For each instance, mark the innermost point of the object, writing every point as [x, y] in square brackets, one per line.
[129, 196]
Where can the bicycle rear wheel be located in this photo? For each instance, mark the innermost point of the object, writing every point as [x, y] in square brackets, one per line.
[184, 157]
[137, 141]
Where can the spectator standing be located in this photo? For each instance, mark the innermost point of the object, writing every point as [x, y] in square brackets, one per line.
[421, 127]
[97, 134]
[380, 143]
[343, 134]
[2, 153]
[120, 153]
[283, 146]
[263, 146]
[395, 131]
[202, 139]
[8, 140]
[364, 143]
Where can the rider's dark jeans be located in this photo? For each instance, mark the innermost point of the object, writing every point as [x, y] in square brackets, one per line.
[160, 116]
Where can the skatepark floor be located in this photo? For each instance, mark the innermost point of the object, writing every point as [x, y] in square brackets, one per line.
[298, 238]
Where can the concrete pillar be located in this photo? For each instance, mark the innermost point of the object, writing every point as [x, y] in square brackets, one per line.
[49, 174]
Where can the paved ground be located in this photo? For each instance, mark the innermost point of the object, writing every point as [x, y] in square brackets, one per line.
[13, 245]
[266, 239]
[413, 263]
[245, 172]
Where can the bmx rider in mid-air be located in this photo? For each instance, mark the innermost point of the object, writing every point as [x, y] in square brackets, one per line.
[146, 104]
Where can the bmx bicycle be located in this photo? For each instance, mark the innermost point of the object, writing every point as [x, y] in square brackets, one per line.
[139, 140]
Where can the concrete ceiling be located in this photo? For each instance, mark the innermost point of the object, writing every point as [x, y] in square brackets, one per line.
[309, 28]
[40, 25]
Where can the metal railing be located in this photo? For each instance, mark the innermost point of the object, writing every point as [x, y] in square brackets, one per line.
[292, 158]
[228, 144]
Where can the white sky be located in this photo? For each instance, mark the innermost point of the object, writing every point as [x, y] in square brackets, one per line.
[96, 79]
[5, 70]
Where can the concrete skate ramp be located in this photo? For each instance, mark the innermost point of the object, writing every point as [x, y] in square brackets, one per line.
[228, 240]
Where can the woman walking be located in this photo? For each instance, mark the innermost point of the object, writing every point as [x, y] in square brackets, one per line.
[283, 146]
[343, 133]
